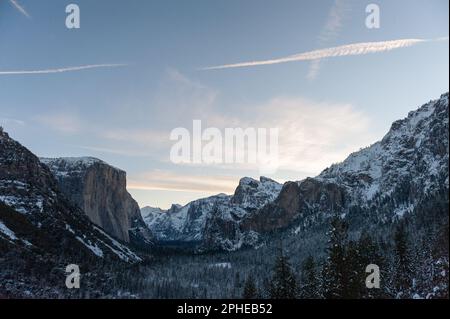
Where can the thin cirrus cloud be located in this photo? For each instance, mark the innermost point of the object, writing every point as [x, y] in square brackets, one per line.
[339, 51]
[330, 32]
[64, 69]
[115, 151]
[20, 8]
[11, 121]
[312, 134]
[61, 122]
[333, 26]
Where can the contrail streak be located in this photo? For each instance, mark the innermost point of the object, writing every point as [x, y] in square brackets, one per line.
[344, 50]
[20, 8]
[62, 70]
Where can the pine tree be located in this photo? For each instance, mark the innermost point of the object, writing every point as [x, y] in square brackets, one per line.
[441, 264]
[402, 264]
[250, 290]
[310, 284]
[335, 274]
[237, 285]
[424, 268]
[283, 284]
[266, 287]
[354, 276]
[432, 267]
[369, 253]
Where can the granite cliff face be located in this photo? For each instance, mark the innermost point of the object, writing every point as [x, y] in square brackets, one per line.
[37, 216]
[41, 232]
[100, 191]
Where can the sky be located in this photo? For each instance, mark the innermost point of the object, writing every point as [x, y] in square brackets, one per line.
[135, 70]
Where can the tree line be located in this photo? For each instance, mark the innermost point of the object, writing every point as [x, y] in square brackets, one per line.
[407, 269]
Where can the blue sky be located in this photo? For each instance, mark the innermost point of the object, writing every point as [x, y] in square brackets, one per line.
[124, 115]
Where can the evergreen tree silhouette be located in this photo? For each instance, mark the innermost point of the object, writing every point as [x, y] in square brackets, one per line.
[402, 263]
[310, 285]
[283, 284]
[250, 290]
[335, 274]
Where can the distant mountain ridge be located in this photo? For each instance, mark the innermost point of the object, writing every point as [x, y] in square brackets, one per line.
[194, 222]
[381, 182]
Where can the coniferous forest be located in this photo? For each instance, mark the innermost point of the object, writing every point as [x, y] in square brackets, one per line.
[411, 266]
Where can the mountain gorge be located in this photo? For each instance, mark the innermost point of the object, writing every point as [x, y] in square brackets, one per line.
[56, 212]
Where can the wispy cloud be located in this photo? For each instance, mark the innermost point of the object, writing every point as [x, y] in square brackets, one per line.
[315, 134]
[312, 134]
[314, 69]
[334, 23]
[62, 70]
[142, 137]
[185, 97]
[330, 32]
[10, 121]
[20, 8]
[116, 151]
[61, 122]
[344, 50]
[170, 181]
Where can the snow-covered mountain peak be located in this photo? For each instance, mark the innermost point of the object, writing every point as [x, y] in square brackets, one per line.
[264, 179]
[247, 181]
[418, 119]
[151, 212]
[387, 179]
[195, 220]
[252, 194]
[69, 165]
[74, 161]
[416, 145]
[253, 182]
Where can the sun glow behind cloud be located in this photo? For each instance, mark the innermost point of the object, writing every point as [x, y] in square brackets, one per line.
[313, 135]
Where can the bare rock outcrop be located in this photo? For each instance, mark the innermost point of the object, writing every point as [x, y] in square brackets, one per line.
[100, 191]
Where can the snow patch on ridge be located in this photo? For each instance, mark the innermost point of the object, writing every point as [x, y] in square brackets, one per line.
[92, 247]
[8, 232]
